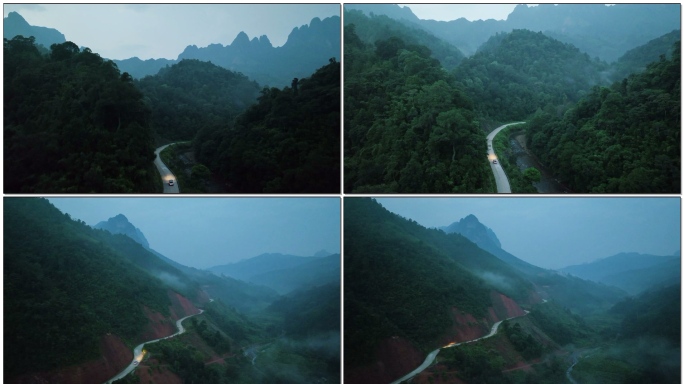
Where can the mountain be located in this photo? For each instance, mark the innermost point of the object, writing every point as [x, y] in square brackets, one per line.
[471, 228]
[77, 299]
[606, 32]
[637, 59]
[193, 94]
[284, 273]
[120, 224]
[240, 295]
[409, 289]
[287, 142]
[619, 139]
[515, 73]
[565, 290]
[633, 272]
[322, 253]
[316, 272]
[14, 25]
[409, 125]
[73, 123]
[266, 262]
[378, 27]
[393, 11]
[307, 48]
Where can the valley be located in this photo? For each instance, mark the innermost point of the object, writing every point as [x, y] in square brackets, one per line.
[94, 127]
[570, 85]
[515, 322]
[98, 304]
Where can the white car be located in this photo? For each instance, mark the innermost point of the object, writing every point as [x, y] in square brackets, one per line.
[135, 362]
[171, 183]
[495, 162]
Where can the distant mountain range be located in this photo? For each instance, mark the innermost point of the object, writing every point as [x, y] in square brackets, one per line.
[308, 48]
[600, 31]
[632, 272]
[284, 273]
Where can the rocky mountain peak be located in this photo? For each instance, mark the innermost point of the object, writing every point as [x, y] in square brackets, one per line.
[119, 224]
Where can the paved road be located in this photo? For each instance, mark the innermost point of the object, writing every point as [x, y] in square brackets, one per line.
[431, 357]
[502, 185]
[138, 351]
[165, 173]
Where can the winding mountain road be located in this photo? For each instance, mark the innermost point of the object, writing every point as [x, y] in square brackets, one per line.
[165, 173]
[432, 355]
[138, 351]
[502, 185]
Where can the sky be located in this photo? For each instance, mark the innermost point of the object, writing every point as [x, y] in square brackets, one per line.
[557, 232]
[205, 232]
[471, 12]
[122, 31]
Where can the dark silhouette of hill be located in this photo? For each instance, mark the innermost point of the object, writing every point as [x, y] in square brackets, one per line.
[14, 25]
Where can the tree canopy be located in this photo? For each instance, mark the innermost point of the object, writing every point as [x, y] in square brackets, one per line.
[72, 123]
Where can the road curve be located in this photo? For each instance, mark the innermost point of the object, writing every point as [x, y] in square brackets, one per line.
[138, 351]
[165, 173]
[431, 357]
[502, 185]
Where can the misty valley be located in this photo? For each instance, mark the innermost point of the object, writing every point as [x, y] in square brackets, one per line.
[79, 301]
[449, 305]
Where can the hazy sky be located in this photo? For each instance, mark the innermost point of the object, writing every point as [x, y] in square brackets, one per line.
[557, 232]
[121, 31]
[447, 12]
[204, 232]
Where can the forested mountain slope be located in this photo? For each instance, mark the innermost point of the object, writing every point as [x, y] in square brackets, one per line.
[408, 288]
[380, 27]
[287, 142]
[513, 74]
[619, 139]
[192, 95]
[73, 123]
[637, 59]
[580, 296]
[409, 127]
[77, 294]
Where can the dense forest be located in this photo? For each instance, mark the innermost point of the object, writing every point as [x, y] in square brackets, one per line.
[513, 74]
[416, 113]
[287, 142]
[73, 271]
[193, 94]
[73, 123]
[78, 284]
[401, 279]
[408, 126]
[624, 138]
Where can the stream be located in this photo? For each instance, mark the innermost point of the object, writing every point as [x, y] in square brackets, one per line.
[525, 160]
